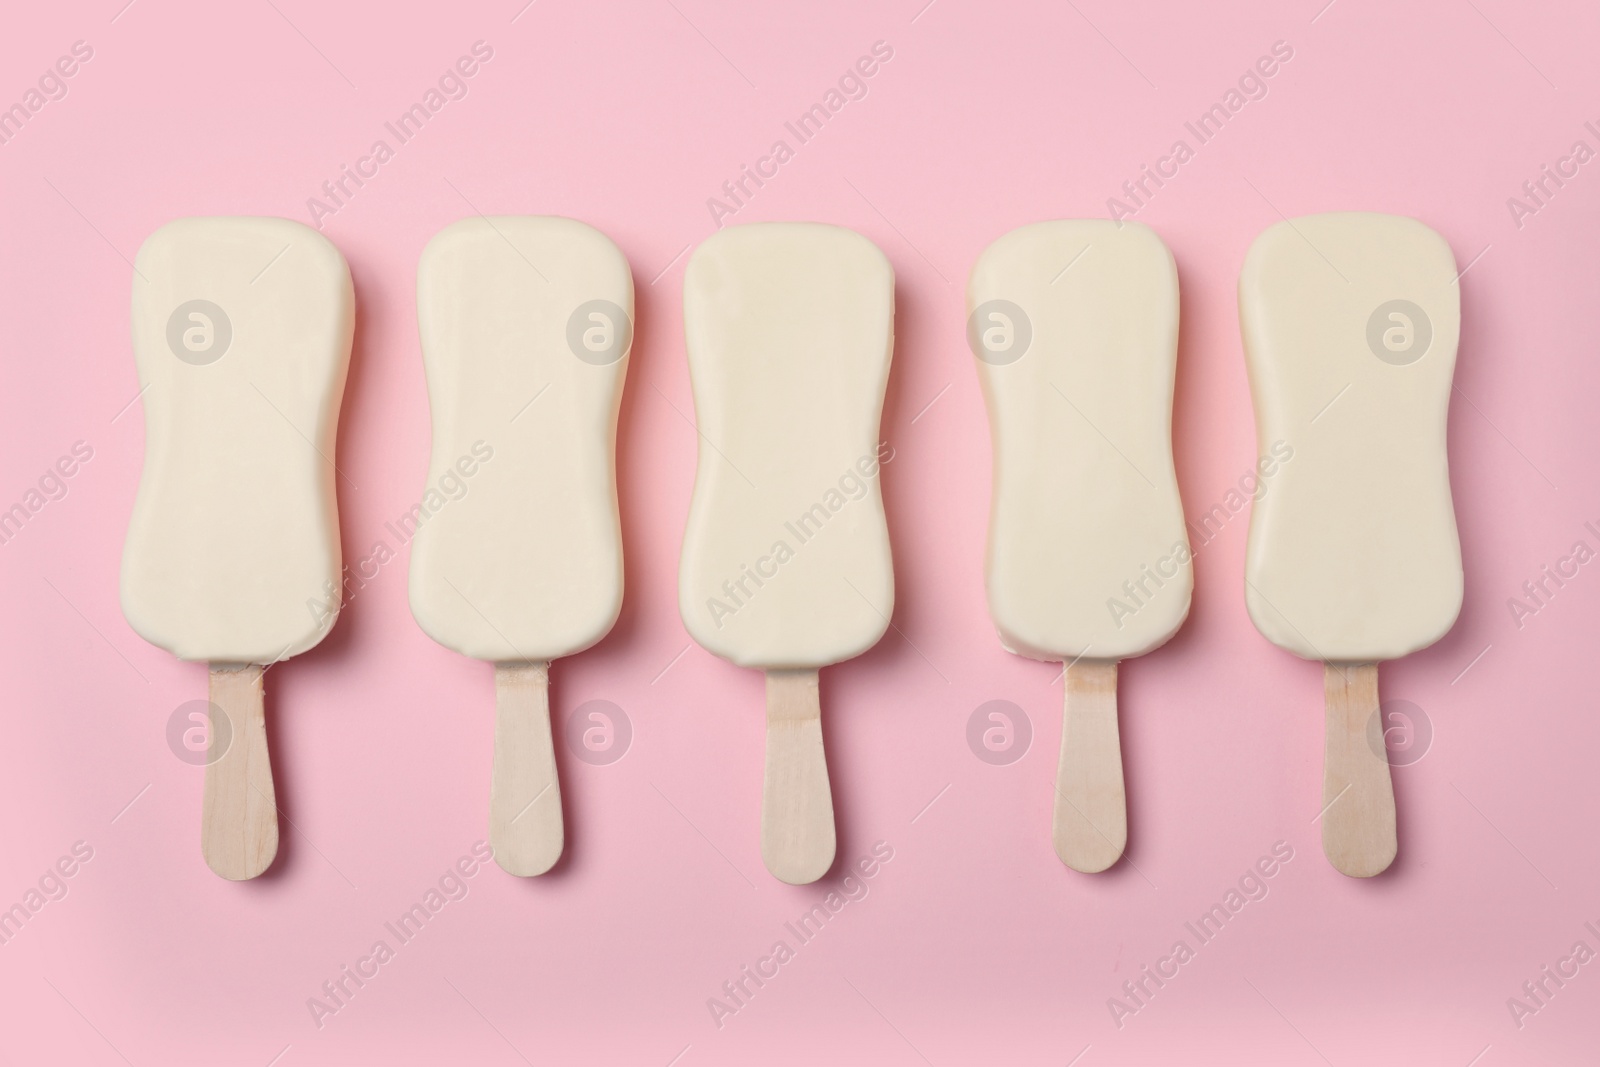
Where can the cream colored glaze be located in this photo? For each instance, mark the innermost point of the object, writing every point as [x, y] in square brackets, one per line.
[232, 554]
[520, 559]
[1353, 554]
[790, 327]
[1088, 555]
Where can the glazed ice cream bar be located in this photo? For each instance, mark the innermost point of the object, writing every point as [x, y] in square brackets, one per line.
[526, 326]
[1350, 325]
[241, 332]
[786, 564]
[1075, 328]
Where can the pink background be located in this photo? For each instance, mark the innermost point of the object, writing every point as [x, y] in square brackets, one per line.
[974, 943]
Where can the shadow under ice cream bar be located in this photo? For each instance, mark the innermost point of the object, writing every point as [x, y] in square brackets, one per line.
[1350, 326]
[789, 329]
[1075, 326]
[241, 332]
[526, 326]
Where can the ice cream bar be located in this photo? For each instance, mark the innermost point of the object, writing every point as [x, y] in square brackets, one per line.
[1075, 327]
[785, 564]
[241, 332]
[1350, 324]
[526, 325]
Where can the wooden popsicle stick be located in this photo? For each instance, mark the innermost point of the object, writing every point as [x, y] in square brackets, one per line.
[1091, 817]
[525, 827]
[1358, 832]
[797, 834]
[239, 813]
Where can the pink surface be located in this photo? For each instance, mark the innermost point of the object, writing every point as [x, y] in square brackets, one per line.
[974, 943]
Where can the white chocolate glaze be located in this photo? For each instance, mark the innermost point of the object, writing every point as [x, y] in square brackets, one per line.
[241, 332]
[1075, 326]
[1350, 325]
[786, 559]
[526, 324]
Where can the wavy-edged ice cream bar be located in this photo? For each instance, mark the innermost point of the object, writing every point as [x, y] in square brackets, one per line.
[526, 326]
[241, 333]
[786, 564]
[1350, 324]
[1075, 327]
[1350, 327]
